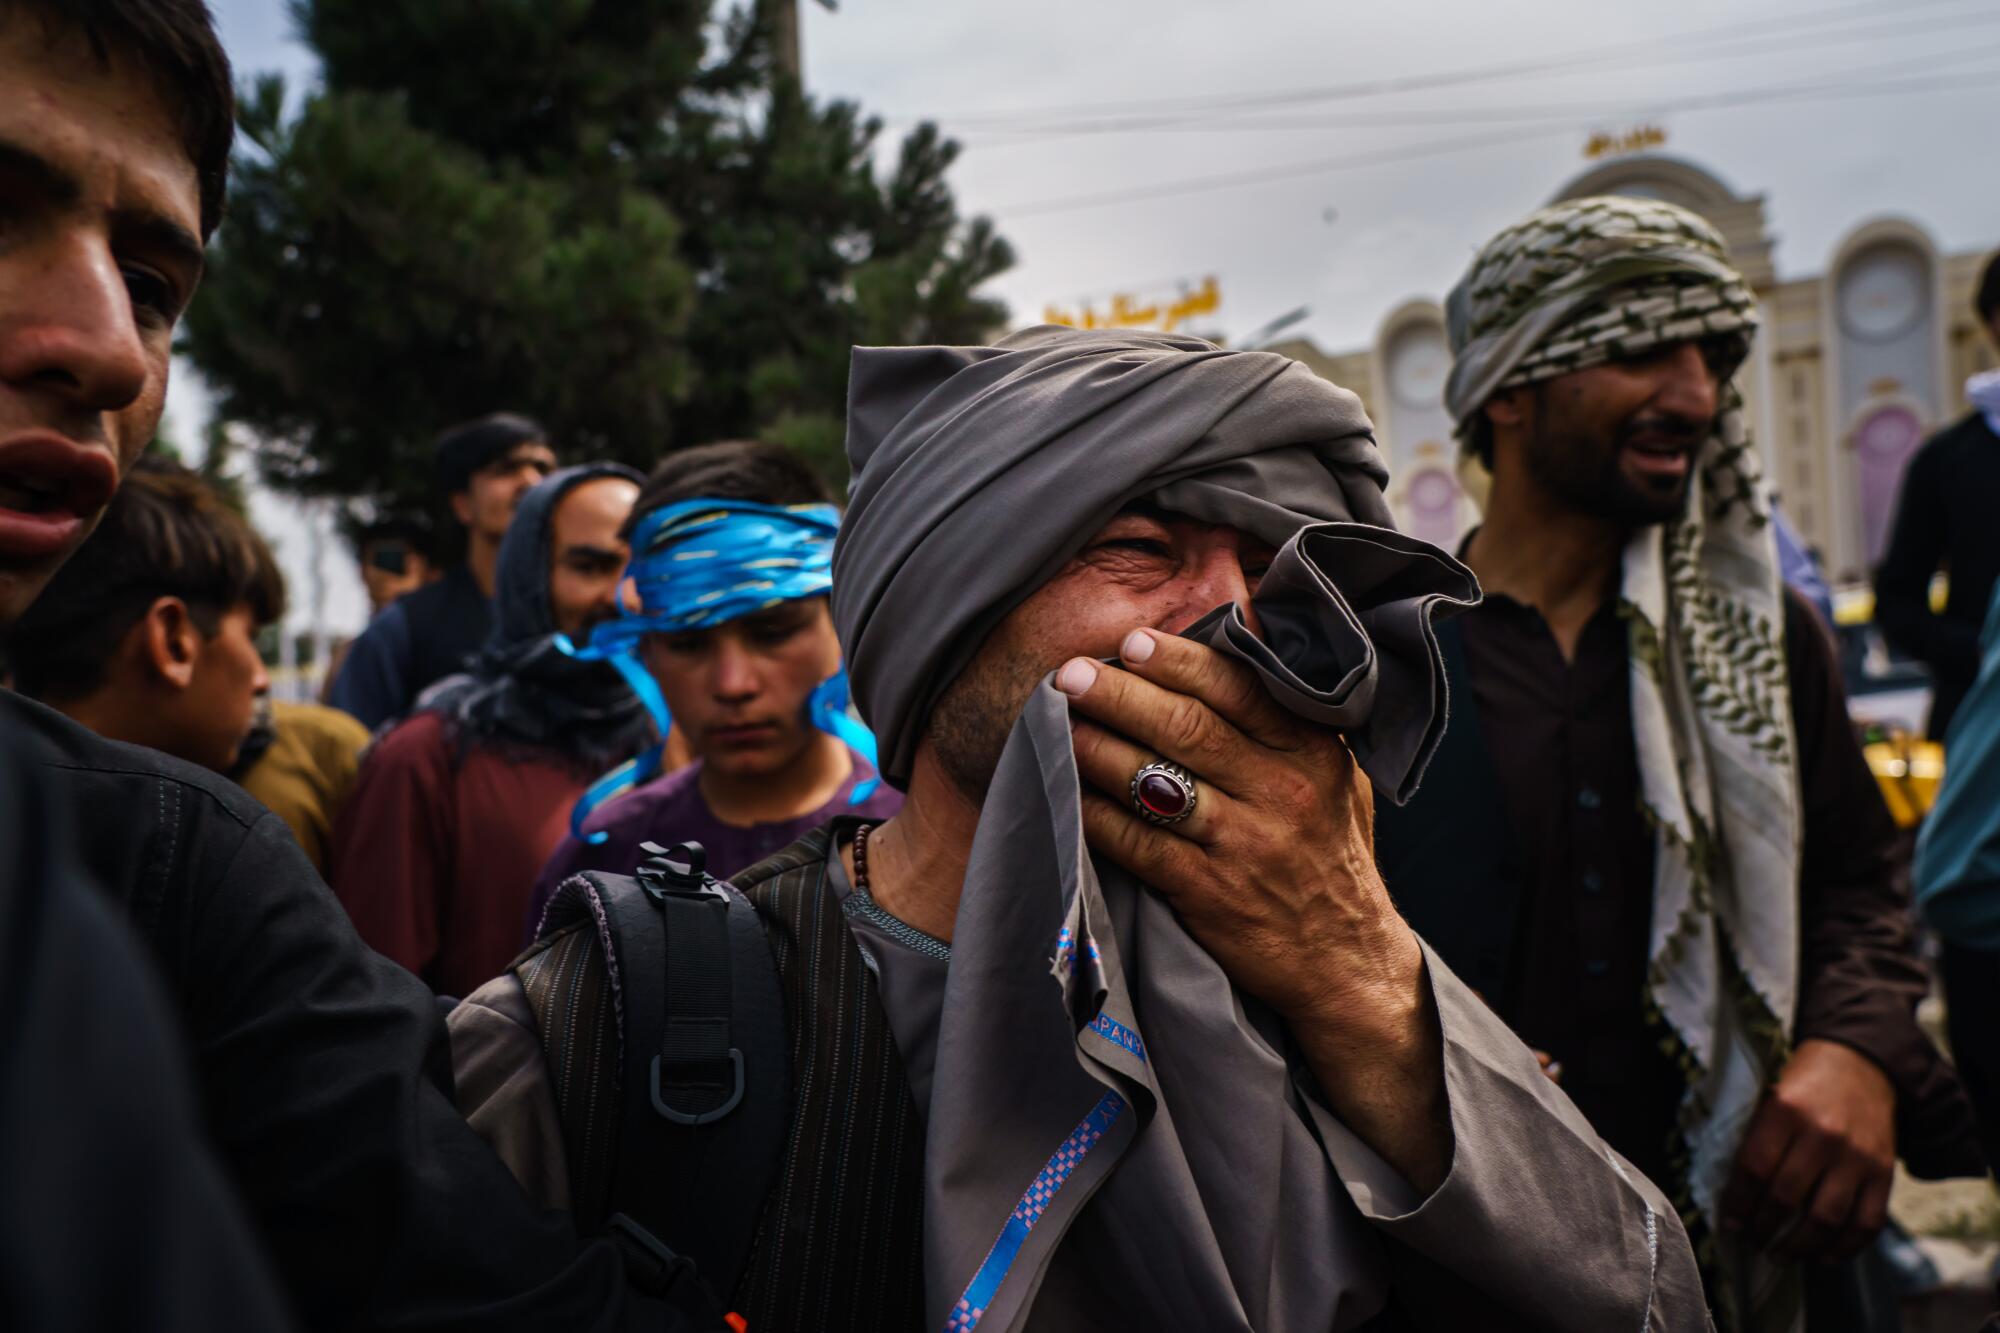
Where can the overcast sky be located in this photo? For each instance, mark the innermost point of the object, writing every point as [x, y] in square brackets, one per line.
[1836, 111]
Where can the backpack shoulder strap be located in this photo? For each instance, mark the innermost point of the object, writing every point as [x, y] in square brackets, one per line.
[699, 1070]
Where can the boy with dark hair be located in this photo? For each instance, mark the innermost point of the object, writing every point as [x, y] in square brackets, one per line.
[483, 468]
[739, 689]
[320, 1068]
[148, 634]
[395, 558]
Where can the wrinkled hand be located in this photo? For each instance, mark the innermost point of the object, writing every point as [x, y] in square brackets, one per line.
[1274, 873]
[1812, 1177]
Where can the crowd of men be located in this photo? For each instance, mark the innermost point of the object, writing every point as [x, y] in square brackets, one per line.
[1142, 888]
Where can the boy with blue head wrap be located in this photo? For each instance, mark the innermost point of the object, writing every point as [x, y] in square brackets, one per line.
[728, 639]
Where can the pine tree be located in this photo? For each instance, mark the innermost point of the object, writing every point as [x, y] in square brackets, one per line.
[615, 215]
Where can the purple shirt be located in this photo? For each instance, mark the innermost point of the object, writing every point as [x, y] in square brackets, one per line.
[671, 809]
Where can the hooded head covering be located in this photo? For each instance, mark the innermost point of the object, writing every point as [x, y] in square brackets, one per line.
[978, 472]
[523, 690]
[1576, 285]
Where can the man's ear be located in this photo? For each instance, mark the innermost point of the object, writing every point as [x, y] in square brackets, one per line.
[169, 641]
[461, 507]
[1507, 409]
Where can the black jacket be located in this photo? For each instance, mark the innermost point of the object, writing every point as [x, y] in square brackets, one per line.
[115, 1213]
[322, 1069]
[1944, 520]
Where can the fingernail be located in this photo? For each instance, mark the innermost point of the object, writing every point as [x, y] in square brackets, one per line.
[1138, 646]
[1077, 675]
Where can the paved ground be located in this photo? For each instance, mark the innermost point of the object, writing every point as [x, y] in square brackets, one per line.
[1957, 1222]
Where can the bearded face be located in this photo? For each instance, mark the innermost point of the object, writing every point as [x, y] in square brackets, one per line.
[1618, 441]
[1143, 569]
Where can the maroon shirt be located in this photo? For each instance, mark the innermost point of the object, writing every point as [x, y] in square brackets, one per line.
[434, 855]
[670, 809]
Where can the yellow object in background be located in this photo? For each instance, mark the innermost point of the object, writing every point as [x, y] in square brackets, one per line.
[1908, 771]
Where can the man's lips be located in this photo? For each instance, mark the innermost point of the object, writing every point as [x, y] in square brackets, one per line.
[1660, 455]
[49, 488]
[742, 733]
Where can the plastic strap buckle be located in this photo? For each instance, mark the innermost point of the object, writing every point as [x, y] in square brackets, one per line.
[700, 1117]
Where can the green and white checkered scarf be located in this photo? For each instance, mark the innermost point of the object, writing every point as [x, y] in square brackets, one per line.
[1576, 285]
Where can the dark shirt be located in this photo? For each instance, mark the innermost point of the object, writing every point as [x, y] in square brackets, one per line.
[417, 640]
[1560, 737]
[1944, 520]
[322, 1070]
[671, 809]
[1560, 734]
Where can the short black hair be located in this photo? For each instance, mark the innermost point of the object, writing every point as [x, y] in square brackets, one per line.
[469, 446]
[730, 470]
[175, 41]
[1986, 297]
[167, 533]
[413, 530]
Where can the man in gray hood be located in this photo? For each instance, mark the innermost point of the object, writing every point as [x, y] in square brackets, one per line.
[1114, 1024]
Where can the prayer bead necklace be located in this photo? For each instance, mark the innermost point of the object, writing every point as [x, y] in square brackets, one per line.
[861, 856]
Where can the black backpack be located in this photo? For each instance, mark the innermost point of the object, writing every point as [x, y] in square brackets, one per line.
[697, 1053]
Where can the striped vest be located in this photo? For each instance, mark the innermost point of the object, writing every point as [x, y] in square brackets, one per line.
[840, 1242]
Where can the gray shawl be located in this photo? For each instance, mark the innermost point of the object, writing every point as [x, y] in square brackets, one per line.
[1087, 1042]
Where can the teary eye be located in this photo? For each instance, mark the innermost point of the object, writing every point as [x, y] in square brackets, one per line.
[1143, 545]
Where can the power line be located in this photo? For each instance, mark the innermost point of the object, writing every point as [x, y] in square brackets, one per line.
[1203, 184]
[1428, 115]
[1831, 81]
[1791, 27]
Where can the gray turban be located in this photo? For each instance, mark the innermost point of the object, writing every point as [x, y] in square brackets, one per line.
[979, 471]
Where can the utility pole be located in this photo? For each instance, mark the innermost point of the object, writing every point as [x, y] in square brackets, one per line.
[785, 33]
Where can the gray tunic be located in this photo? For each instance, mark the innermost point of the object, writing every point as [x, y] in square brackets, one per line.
[1536, 1214]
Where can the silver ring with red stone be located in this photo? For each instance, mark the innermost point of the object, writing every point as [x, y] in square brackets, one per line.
[1163, 793]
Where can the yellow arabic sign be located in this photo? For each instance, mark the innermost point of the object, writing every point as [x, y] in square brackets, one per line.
[1635, 140]
[1125, 313]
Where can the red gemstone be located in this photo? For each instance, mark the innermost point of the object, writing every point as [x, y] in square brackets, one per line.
[1162, 796]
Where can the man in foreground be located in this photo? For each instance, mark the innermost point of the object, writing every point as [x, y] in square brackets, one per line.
[435, 853]
[752, 682]
[483, 469]
[318, 1066]
[1649, 838]
[1115, 1022]
[149, 634]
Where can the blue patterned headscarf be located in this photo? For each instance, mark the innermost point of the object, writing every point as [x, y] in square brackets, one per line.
[697, 564]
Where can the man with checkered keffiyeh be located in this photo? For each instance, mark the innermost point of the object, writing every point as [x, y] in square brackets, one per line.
[1685, 898]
